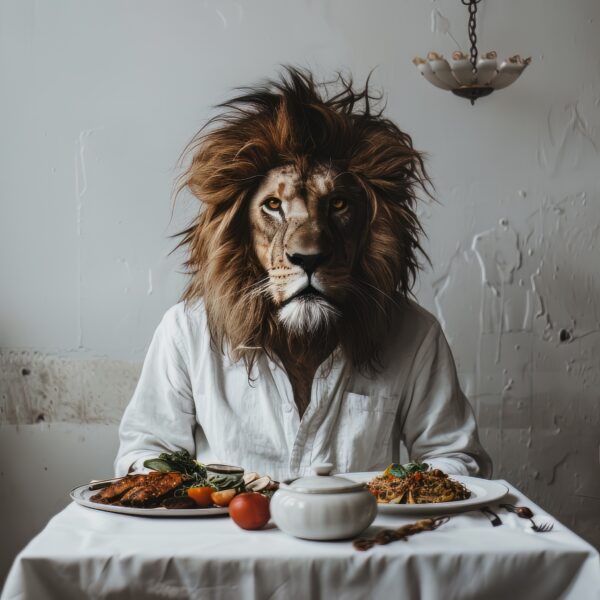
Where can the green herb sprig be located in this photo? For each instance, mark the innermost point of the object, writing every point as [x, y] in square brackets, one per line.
[180, 462]
[198, 476]
[401, 471]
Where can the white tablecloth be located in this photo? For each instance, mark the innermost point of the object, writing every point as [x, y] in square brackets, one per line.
[84, 553]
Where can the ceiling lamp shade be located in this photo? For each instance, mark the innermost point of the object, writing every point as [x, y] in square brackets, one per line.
[461, 79]
[471, 76]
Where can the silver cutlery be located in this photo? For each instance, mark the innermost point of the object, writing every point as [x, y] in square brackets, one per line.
[526, 513]
[495, 520]
[98, 484]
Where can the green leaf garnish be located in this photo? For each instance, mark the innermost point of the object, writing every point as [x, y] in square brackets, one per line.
[180, 462]
[156, 464]
[401, 471]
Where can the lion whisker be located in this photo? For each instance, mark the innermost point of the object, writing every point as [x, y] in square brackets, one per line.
[368, 296]
[259, 289]
[388, 296]
[263, 281]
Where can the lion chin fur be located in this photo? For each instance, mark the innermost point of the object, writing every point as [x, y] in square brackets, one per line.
[294, 120]
[308, 315]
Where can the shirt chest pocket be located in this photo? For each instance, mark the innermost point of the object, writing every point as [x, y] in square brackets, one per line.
[365, 426]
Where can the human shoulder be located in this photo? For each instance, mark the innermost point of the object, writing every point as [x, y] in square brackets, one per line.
[184, 321]
[411, 318]
[412, 336]
[412, 327]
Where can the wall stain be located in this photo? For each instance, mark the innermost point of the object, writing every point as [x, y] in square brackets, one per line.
[37, 388]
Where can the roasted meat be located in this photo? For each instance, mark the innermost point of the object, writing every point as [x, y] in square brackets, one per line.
[151, 490]
[178, 502]
[113, 492]
[142, 490]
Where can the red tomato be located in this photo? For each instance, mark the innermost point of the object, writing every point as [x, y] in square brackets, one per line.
[250, 510]
[201, 495]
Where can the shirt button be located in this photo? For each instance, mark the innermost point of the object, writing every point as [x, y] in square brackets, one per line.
[287, 408]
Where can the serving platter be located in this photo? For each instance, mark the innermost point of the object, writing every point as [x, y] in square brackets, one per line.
[483, 493]
[82, 494]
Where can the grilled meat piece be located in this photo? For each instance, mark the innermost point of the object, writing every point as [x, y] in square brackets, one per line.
[149, 492]
[181, 502]
[113, 492]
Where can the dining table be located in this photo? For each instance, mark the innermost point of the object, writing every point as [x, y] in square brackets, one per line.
[87, 553]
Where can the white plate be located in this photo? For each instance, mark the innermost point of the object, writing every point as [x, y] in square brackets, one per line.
[82, 495]
[483, 492]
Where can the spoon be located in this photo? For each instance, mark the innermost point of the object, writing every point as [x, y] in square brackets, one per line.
[520, 511]
[527, 513]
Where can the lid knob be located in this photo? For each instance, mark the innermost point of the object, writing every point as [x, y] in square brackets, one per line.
[322, 468]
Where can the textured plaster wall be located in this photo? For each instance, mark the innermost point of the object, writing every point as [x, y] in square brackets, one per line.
[99, 99]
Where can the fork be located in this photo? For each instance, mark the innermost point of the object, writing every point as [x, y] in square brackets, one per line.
[495, 520]
[543, 528]
[526, 513]
[98, 484]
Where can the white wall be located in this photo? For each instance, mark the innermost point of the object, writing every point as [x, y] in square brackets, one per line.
[99, 98]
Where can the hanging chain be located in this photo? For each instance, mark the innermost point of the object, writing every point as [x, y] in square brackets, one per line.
[472, 4]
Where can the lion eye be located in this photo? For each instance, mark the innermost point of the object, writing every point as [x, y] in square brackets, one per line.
[273, 203]
[338, 204]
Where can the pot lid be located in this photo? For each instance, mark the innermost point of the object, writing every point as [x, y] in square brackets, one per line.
[322, 482]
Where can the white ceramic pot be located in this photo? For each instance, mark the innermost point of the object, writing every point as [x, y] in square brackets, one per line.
[323, 507]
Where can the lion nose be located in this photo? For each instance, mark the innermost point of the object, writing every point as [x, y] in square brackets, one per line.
[309, 262]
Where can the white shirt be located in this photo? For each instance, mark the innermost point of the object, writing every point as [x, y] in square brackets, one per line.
[192, 397]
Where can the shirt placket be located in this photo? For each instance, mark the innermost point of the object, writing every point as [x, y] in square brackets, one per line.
[300, 456]
[291, 418]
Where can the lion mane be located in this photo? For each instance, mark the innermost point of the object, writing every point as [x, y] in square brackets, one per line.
[295, 120]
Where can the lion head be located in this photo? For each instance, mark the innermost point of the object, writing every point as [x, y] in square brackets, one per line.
[308, 225]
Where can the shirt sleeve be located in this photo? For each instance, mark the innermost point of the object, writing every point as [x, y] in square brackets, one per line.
[161, 415]
[438, 422]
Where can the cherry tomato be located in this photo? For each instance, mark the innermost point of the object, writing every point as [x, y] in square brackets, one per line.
[224, 497]
[250, 510]
[202, 495]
